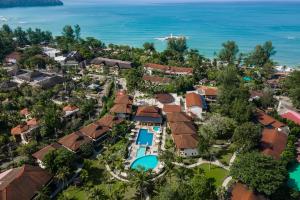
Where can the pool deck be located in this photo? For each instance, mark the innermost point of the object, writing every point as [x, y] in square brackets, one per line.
[152, 150]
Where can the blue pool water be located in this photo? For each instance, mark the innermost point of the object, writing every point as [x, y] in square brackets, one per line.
[141, 152]
[144, 137]
[156, 128]
[294, 177]
[145, 162]
[247, 78]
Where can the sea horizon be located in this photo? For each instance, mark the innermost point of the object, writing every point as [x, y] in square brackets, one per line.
[206, 24]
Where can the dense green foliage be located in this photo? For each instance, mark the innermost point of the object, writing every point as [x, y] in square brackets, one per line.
[292, 86]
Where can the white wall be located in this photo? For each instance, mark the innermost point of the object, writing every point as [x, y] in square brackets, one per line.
[188, 152]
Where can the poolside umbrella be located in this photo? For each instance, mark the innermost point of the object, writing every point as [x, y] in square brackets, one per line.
[132, 134]
[157, 141]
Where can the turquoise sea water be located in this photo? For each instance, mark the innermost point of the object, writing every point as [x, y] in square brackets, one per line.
[206, 25]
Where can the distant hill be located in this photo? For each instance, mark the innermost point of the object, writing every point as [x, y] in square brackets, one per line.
[29, 3]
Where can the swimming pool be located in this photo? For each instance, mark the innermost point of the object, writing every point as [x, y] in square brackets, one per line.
[294, 177]
[141, 152]
[145, 162]
[156, 128]
[144, 137]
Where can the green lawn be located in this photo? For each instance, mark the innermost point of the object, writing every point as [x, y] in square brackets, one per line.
[218, 173]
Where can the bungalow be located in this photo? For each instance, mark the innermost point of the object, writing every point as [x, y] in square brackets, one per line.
[123, 105]
[148, 115]
[269, 122]
[25, 113]
[240, 191]
[40, 155]
[156, 80]
[209, 93]
[171, 70]
[12, 58]
[110, 121]
[23, 132]
[195, 104]
[95, 131]
[74, 141]
[178, 117]
[113, 64]
[23, 182]
[70, 110]
[273, 142]
[164, 98]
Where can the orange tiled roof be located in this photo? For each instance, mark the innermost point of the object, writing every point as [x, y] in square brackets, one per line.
[267, 120]
[123, 99]
[171, 69]
[209, 91]
[70, 108]
[22, 182]
[109, 120]
[32, 122]
[24, 111]
[172, 108]
[178, 117]
[156, 79]
[193, 99]
[74, 140]
[42, 152]
[121, 108]
[19, 129]
[186, 141]
[273, 142]
[241, 192]
[94, 130]
[148, 111]
[180, 128]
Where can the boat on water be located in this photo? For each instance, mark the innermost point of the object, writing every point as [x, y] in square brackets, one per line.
[171, 37]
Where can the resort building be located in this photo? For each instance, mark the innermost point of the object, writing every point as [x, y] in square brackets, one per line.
[23, 132]
[171, 70]
[171, 109]
[195, 104]
[114, 65]
[148, 115]
[209, 93]
[291, 115]
[240, 191]
[273, 142]
[12, 58]
[184, 133]
[70, 110]
[110, 121]
[23, 183]
[123, 105]
[25, 113]
[95, 131]
[40, 155]
[156, 80]
[269, 122]
[164, 99]
[74, 141]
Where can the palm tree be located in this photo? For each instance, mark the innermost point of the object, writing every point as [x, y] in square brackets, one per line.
[167, 157]
[43, 194]
[62, 175]
[140, 181]
[97, 193]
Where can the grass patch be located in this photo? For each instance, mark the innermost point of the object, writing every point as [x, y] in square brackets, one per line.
[218, 173]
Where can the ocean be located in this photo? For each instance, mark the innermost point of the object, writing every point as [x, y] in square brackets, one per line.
[206, 25]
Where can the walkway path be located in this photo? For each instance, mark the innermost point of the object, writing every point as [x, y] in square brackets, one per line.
[226, 181]
[200, 162]
[115, 175]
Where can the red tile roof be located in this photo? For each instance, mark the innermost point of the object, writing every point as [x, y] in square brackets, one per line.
[292, 116]
[14, 55]
[32, 122]
[19, 129]
[23, 182]
[193, 99]
[42, 152]
[187, 141]
[178, 117]
[241, 192]
[180, 128]
[74, 140]
[164, 98]
[172, 108]
[170, 69]
[156, 79]
[94, 130]
[148, 111]
[208, 91]
[121, 108]
[109, 120]
[267, 120]
[273, 142]
[70, 108]
[123, 99]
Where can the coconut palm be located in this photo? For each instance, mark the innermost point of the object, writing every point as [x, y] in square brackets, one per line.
[62, 175]
[140, 181]
[97, 193]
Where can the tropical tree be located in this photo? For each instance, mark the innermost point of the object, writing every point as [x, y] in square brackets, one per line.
[259, 172]
[96, 193]
[292, 86]
[62, 175]
[229, 52]
[43, 194]
[140, 181]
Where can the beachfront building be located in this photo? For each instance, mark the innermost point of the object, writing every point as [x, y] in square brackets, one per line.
[184, 133]
[74, 141]
[23, 183]
[195, 105]
[23, 132]
[209, 93]
[148, 115]
[113, 65]
[40, 155]
[151, 68]
[122, 105]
